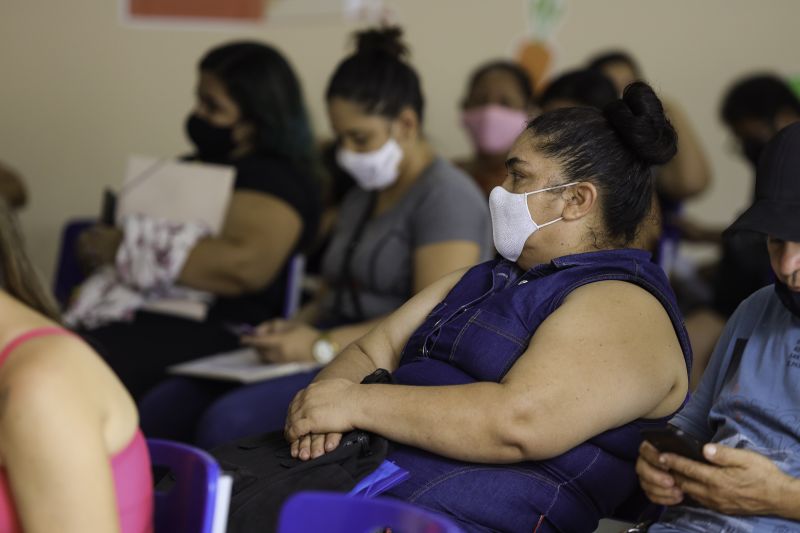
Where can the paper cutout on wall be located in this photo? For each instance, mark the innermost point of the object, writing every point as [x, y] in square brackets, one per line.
[245, 10]
[535, 53]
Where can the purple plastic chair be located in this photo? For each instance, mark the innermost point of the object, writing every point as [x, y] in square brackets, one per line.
[334, 512]
[198, 500]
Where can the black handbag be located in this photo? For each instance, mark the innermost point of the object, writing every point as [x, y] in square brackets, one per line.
[265, 474]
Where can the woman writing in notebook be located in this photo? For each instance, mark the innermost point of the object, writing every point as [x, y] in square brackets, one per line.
[249, 113]
[72, 457]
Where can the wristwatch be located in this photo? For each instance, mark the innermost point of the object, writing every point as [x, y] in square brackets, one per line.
[324, 349]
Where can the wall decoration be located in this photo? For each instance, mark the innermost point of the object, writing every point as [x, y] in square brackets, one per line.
[535, 53]
[241, 10]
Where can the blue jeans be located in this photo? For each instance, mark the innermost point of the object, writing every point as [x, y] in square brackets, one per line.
[208, 413]
[511, 498]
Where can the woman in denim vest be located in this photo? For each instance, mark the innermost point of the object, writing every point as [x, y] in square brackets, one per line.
[523, 383]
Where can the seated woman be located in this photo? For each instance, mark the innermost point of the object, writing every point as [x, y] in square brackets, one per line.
[497, 106]
[523, 383]
[412, 219]
[72, 457]
[249, 114]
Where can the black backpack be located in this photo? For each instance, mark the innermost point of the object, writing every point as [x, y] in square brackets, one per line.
[265, 474]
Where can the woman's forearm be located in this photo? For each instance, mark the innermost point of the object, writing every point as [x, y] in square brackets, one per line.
[344, 335]
[352, 364]
[463, 422]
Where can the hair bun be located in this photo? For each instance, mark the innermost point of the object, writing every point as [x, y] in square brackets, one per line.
[386, 41]
[639, 120]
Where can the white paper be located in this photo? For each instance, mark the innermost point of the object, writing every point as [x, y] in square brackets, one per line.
[241, 365]
[176, 190]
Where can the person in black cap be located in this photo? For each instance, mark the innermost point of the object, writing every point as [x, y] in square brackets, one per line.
[747, 408]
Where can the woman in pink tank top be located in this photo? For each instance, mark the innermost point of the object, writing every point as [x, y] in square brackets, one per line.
[71, 456]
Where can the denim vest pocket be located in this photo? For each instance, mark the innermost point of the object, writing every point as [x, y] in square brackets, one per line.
[488, 344]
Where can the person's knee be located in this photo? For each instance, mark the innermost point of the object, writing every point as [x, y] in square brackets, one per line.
[231, 417]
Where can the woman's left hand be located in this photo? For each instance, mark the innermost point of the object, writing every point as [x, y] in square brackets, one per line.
[326, 406]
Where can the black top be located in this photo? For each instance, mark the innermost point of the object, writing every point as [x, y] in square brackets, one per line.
[292, 184]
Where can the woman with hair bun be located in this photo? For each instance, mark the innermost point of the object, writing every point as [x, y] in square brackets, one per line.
[412, 219]
[523, 383]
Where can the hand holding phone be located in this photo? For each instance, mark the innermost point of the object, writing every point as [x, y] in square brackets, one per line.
[670, 439]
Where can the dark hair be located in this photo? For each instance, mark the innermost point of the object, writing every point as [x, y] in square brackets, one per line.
[586, 87]
[377, 76]
[519, 74]
[615, 149]
[600, 61]
[759, 97]
[264, 86]
[18, 277]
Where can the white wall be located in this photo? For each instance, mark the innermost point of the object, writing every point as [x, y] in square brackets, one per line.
[79, 90]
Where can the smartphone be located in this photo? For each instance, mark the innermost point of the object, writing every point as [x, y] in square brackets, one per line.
[240, 330]
[670, 439]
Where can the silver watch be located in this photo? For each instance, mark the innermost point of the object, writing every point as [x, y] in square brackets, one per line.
[323, 350]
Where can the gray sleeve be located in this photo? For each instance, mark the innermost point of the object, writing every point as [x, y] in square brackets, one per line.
[694, 417]
[452, 209]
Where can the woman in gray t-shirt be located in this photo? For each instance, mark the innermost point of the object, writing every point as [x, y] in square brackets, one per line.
[412, 219]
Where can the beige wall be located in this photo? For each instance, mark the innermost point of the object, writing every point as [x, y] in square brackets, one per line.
[79, 90]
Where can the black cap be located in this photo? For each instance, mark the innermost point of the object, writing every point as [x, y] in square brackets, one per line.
[776, 209]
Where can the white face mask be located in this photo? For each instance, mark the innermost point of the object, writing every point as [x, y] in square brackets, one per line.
[372, 170]
[512, 222]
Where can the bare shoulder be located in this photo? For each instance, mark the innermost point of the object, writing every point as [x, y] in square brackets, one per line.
[606, 334]
[58, 379]
[623, 320]
[632, 324]
[610, 300]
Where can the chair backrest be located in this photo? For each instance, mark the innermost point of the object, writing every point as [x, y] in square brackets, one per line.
[307, 512]
[197, 501]
[69, 273]
[295, 270]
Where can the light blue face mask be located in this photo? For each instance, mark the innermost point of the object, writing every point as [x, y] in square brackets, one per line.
[512, 222]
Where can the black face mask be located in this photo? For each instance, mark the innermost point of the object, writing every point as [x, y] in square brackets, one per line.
[752, 149]
[789, 299]
[212, 142]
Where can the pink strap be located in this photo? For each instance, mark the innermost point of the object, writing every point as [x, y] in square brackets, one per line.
[32, 334]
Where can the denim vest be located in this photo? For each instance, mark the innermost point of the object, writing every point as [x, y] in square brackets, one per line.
[480, 330]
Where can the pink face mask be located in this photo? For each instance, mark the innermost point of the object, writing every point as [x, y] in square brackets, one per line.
[493, 128]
